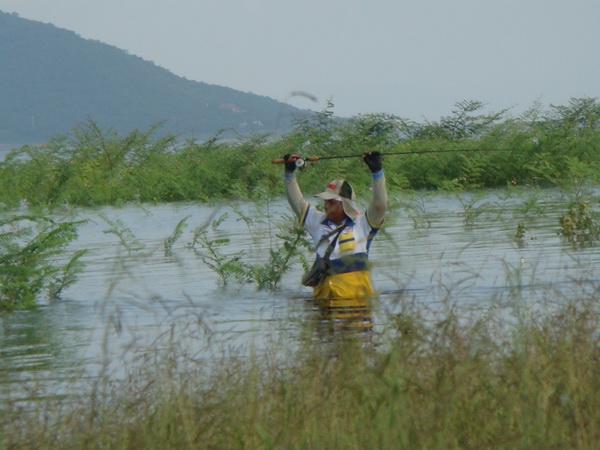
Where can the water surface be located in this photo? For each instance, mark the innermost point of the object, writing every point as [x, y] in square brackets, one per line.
[132, 304]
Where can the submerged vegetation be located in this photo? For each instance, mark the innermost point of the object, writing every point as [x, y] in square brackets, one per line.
[206, 244]
[29, 248]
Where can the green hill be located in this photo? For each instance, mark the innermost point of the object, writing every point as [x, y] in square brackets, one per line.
[52, 79]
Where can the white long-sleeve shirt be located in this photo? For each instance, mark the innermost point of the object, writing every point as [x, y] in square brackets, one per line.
[356, 237]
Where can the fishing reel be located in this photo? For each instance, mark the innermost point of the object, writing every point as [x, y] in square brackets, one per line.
[300, 164]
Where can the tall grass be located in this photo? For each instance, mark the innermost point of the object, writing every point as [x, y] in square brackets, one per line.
[449, 382]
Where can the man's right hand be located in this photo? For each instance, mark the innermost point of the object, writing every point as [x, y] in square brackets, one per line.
[290, 162]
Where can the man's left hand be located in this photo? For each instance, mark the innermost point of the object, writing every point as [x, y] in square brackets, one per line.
[373, 160]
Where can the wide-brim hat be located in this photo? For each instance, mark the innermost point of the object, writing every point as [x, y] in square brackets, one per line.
[342, 191]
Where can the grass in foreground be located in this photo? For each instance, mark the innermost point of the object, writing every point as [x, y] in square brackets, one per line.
[440, 384]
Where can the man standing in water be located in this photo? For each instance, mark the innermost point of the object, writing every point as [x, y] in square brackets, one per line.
[349, 276]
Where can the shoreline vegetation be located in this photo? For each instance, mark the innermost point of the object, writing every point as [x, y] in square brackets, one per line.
[92, 167]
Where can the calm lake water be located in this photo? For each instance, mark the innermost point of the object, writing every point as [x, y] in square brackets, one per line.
[130, 307]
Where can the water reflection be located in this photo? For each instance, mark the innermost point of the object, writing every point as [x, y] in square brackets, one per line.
[343, 319]
[45, 343]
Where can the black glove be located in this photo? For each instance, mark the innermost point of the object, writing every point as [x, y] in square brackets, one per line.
[289, 166]
[373, 160]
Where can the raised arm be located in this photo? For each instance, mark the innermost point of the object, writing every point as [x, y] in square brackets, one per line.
[292, 190]
[378, 206]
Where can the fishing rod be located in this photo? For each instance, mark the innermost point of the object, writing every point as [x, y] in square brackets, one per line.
[300, 162]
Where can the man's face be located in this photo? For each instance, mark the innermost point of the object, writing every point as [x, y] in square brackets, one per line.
[334, 211]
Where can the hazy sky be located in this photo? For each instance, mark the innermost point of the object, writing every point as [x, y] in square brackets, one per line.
[412, 58]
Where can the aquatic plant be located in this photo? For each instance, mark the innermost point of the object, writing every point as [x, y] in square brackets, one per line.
[286, 245]
[126, 237]
[206, 244]
[413, 203]
[292, 242]
[30, 251]
[578, 224]
[284, 251]
[531, 201]
[521, 230]
[471, 202]
[177, 233]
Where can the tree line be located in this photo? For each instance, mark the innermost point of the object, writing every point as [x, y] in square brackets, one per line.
[467, 149]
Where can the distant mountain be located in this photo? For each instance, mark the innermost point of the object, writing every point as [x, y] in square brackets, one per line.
[51, 79]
